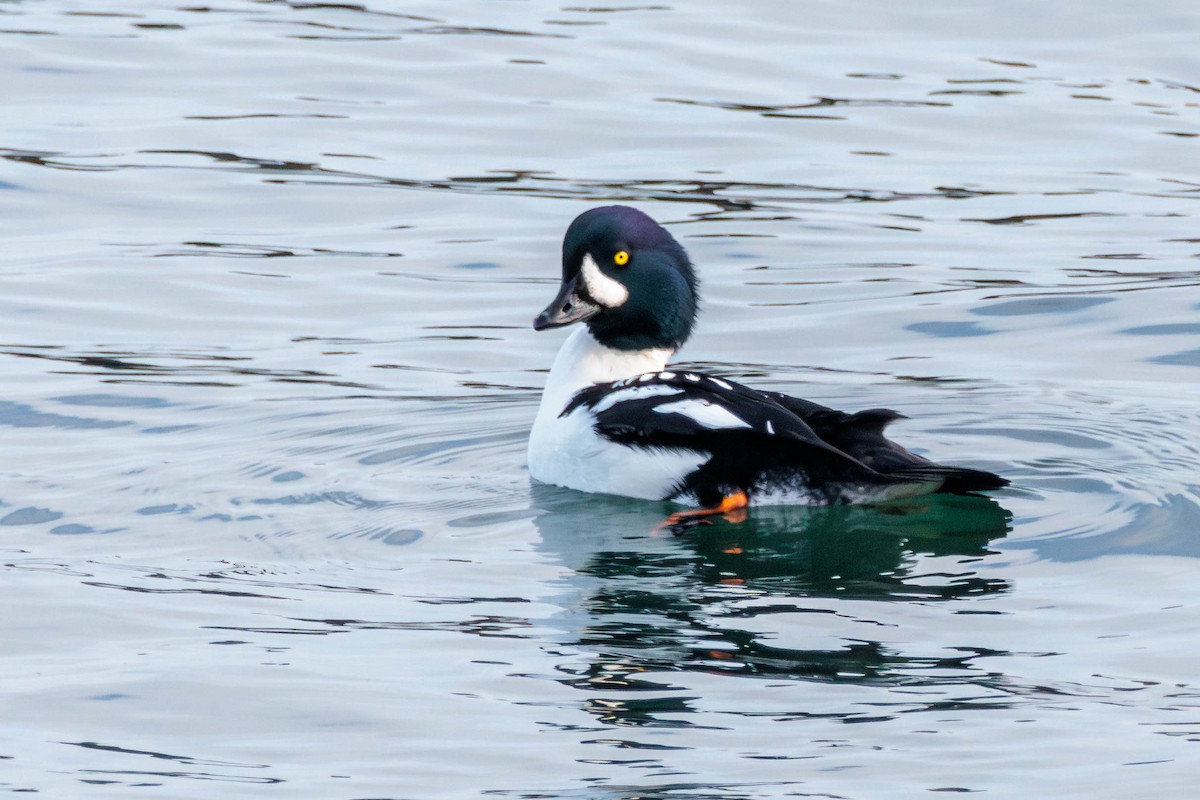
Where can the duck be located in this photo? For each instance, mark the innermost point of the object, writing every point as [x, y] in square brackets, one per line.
[615, 419]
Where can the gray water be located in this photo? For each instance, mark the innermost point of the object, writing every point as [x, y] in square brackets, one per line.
[268, 271]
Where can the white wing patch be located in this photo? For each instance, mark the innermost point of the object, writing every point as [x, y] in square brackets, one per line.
[633, 393]
[705, 414]
[603, 289]
[770, 428]
[720, 383]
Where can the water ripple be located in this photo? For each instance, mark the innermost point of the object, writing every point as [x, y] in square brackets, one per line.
[333, 441]
[725, 195]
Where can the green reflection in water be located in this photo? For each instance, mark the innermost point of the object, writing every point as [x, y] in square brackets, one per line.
[652, 605]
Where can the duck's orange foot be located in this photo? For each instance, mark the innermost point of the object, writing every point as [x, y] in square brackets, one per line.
[732, 507]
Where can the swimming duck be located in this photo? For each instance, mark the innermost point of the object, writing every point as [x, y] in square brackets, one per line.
[615, 419]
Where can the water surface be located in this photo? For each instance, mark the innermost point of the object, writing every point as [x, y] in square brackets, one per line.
[269, 270]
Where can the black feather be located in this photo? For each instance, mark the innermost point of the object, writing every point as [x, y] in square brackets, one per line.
[782, 442]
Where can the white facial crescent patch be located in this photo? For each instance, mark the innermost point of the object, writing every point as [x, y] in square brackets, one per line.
[603, 289]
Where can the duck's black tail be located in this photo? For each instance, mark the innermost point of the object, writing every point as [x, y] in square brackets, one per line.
[955, 480]
[861, 436]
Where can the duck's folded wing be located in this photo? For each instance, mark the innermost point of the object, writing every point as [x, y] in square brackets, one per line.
[750, 433]
[746, 431]
[861, 436]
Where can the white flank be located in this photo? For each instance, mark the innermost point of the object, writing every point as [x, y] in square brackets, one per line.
[582, 459]
[854, 494]
[882, 494]
[603, 289]
[704, 413]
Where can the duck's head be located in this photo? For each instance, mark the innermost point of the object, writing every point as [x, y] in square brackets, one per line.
[627, 278]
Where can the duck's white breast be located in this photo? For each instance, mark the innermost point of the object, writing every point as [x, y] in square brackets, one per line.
[570, 453]
[567, 451]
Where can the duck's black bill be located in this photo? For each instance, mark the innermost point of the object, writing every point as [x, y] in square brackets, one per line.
[568, 307]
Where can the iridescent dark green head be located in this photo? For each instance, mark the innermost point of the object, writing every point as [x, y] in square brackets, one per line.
[628, 278]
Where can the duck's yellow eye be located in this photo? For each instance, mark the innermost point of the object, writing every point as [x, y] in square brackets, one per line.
[621, 258]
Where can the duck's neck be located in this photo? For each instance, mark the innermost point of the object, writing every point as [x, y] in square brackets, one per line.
[582, 361]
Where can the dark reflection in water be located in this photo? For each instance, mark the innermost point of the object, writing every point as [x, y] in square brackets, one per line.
[211, 369]
[668, 791]
[655, 604]
[723, 196]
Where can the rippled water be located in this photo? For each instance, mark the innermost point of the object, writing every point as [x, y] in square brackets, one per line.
[268, 272]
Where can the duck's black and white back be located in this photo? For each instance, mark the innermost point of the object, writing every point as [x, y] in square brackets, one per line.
[614, 419]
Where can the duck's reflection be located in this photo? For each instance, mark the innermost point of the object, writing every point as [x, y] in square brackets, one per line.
[649, 604]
